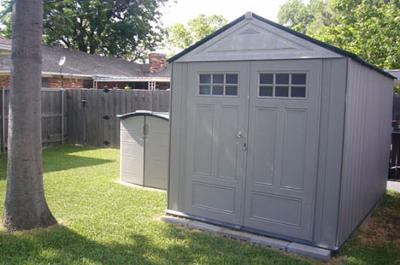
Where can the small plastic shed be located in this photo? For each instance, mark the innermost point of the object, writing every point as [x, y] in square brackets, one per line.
[144, 141]
[277, 133]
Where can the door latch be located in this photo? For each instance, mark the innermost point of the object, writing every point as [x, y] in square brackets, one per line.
[145, 129]
[242, 140]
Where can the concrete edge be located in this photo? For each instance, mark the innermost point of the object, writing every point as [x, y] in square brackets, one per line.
[283, 245]
[119, 181]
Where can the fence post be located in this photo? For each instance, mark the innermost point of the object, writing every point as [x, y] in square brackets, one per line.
[3, 123]
[62, 116]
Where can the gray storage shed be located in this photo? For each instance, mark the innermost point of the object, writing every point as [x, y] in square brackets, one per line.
[277, 133]
[144, 138]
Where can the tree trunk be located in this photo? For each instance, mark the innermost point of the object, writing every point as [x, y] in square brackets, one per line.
[25, 204]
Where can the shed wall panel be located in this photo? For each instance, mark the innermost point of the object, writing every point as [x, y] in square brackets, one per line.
[369, 101]
[330, 151]
[177, 135]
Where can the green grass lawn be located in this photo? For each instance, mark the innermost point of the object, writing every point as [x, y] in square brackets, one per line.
[103, 222]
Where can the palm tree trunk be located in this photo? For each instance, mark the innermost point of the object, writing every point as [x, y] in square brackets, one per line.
[25, 204]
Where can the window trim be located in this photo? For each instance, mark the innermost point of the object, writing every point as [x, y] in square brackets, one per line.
[289, 85]
[224, 84]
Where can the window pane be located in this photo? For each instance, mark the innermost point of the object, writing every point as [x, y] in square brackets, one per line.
[266, 91]
[299, 79]
[282, 91]
[205, 90]
[218, 79]
[231, 78]
[266, 79]
[299, 92]
[205, 79]
[282, 79]
[218, 90]
[231, 90]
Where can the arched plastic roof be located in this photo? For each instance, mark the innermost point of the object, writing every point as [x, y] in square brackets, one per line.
[161, 115]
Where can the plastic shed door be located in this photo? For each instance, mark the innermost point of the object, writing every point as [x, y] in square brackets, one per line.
[282, 157]
[156, 152]
[252, 157]
[132, 150]
[216, 135]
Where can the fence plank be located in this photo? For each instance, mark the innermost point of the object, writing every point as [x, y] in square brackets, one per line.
[51, 116]
[84, 111]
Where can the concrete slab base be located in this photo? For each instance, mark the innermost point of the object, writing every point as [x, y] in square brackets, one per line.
[309, 251]
[138, 186]
[287, 246]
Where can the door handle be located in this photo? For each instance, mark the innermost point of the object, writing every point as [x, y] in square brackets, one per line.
[242, 139]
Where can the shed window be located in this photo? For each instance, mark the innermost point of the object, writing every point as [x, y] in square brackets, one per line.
[282, 85]
[218, 84]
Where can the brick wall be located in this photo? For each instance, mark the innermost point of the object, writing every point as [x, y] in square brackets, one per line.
[4, 81]
[52, 82]
[163, 85]
[57, 82]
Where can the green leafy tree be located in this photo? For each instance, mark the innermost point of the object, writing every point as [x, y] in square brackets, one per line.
[122, 28]
[306, 18]
[181, 36]
[368, 28]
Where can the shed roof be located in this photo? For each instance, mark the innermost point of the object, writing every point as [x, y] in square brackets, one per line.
[162, 115]
[250, 15]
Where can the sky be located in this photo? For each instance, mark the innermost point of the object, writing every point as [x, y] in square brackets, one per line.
[183, 10]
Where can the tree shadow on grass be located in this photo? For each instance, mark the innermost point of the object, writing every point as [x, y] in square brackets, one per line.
[69, 157]
[61, 245]
[61, 158]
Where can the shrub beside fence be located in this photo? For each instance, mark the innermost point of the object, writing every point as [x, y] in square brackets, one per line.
[86, 116]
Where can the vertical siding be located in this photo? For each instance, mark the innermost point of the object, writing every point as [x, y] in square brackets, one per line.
[366, 145]
[333, 85]
[177, 135]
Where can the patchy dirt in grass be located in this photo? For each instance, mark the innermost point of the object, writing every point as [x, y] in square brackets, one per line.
[381, 229]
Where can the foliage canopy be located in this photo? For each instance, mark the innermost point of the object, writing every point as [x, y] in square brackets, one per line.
[121, 28]
[181, 36]
[368, 28]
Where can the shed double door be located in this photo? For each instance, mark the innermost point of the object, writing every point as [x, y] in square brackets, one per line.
[251, 159]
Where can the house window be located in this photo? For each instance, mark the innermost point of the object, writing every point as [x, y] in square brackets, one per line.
[282, 85]
[218, 84]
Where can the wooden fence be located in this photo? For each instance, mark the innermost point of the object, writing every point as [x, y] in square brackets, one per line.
[53, 102]
[394, 164]
[92, 113]
[89, 115]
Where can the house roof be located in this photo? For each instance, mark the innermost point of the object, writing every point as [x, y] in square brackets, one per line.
[5, 41]
[83, 64]
[276, 25]
[394, 72]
